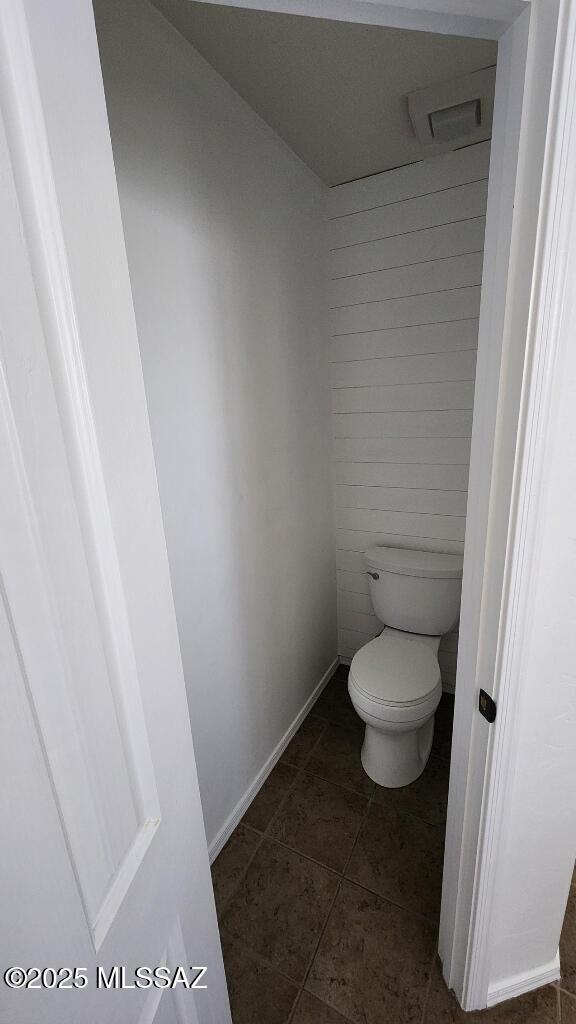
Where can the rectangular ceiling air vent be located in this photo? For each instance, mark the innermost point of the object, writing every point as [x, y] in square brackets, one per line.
[454, 122]
[455, 113]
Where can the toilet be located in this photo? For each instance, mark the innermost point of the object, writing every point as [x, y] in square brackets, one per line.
[394, 681]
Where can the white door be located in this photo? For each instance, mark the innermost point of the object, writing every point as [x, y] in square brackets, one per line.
[103, 855]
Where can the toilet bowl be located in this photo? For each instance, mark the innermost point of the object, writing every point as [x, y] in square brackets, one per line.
[395, 687]
[394, 682]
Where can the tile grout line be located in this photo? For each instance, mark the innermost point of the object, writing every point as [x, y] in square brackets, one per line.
[360, 827]
[403, 813]
[299, 769]
[294, 1006]
[325, 724]
[316, 948]
[283, 800]
[305, 856]
[262, 834]
[342, 878]
[263, 962]
[428, 985]
[336, 894]
[241, 874]
[348, 789]
[370, 800]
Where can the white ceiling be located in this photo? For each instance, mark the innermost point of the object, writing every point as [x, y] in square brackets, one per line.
[334, 91]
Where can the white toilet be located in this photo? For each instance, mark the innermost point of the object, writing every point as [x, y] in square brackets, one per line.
[394, 681]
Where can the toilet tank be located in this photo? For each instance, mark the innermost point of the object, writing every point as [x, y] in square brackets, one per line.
[416, 591]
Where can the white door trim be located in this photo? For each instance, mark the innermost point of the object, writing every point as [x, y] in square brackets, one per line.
[519, 984]
[503, 361]
[512, 264]
[557, 200]
[484, 19]
[482, 582]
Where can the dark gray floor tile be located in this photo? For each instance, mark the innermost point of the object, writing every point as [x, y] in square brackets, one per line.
[336, 758]
[230, 864]
[310, 1010]
[320, 820]
[540, 1007]
[426, 798]
[264, 806]
[567, 1008]
[298, 750]
[568, 945]
[442, 745]
[373, 962]
[334, 705]
[280, 908]
[400, 858]
[342, 672]
[258, 993]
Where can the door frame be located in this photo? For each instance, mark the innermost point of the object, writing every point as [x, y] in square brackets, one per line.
[525, 268]
[527, 172]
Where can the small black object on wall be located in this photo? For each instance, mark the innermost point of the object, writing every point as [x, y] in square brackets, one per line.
[486, 706]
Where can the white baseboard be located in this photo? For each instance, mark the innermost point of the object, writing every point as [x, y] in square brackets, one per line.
[526, 982]
[246, 799]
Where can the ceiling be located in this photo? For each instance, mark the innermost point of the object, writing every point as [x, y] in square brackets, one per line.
[334, 91]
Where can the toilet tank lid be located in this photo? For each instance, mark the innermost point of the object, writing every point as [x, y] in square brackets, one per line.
[408, 562]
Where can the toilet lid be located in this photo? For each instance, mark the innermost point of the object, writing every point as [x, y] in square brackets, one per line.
[395, 670]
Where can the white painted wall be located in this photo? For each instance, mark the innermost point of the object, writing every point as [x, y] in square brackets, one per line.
[225, 240]
[406, 250]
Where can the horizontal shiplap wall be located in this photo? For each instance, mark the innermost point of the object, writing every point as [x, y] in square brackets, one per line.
[406, 250]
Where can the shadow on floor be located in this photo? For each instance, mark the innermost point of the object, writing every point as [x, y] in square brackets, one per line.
[328, 891]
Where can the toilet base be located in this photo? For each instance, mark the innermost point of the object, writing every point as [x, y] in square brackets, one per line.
[395, 758]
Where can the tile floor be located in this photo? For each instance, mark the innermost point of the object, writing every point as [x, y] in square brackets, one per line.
[328, 891]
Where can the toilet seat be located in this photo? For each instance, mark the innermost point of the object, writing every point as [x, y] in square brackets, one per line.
[395, 678]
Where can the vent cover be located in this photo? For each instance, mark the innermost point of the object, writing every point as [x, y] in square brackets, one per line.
[455, 113]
